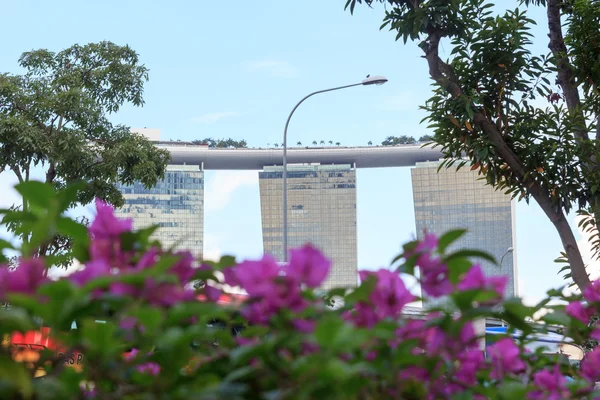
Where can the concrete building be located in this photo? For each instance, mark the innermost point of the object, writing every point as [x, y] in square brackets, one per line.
[451, 199]
[175, 204]
[321, 210]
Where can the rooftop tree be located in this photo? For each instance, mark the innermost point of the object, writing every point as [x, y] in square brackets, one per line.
[55, 117]
[395, 140]
[222, 143]
[487, 96]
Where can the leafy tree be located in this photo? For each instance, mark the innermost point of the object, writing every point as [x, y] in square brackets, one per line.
[370, 143]
[276, 145]
[426, 138]
[222, 143]
[55, 116]
[314, 142]
[322, 142]
[487, 94]
[395, 140]
[337, 143]
[331, 142]
[299, 144]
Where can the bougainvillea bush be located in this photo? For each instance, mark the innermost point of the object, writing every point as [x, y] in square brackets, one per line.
[145, 324]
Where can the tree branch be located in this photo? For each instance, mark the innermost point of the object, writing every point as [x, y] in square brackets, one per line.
[17, 173]
[443, 74]
[564, 69]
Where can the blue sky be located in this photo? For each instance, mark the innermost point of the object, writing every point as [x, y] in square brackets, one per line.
[235, 69]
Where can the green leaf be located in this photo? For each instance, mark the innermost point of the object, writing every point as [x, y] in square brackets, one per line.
[37, 193]
[149, 317]
[327, 330]
[68, 196]
[15, 375]
[15, 319]
[516, 307]
[362, 292]
[457, 267]
[471, 253]
[512, 390]
[450, 237]
[556, 318]
[72, 228]
[101, 339]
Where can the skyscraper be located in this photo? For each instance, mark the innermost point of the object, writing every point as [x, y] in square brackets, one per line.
[175, 204]
[451, 199]
[321, 210]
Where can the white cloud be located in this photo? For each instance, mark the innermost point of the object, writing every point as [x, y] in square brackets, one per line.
[212, 247]
[222, 185]
[278, 68]
[211, 118]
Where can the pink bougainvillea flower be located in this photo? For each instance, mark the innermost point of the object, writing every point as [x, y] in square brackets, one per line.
[577, 310]
[245, 341]
[467, 339]
[29, 275]
[105, 233]
[474, 279]
[106, 224]
[230, 277]
[390, 295]
[285, 293]
[148, 259]
[505, 357]
[413, 373]
[123, 289]
[269, 290]
[592, 292]
[92, 270]
[363, 315]
[212, 293]
[470, 362]
[308, 266]
[428, 244]
[164, 294]
[304, 325]
[590, 365]
[412, 329]
[257, 312]
[132, 354]
[184, 267]
[436, 340]
[434, 276]
[550, 385]
[150, 368]
[256, 277]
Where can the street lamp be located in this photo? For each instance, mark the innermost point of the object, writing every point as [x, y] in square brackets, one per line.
[369, 80]
[509, 250]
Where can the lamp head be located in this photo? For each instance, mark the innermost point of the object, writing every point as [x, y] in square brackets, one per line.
[374, 80]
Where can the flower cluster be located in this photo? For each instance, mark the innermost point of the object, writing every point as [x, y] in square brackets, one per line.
[272, 288]
[109, 258]
[370, 339]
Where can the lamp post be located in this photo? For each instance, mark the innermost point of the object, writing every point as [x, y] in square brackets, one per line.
[370, 80]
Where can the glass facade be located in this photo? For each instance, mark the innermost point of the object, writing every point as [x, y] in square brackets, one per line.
[321, 210]
[175, 204]
[451, 199]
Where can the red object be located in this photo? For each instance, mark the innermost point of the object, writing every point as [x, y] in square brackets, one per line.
[34, 338]
[227, 299]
